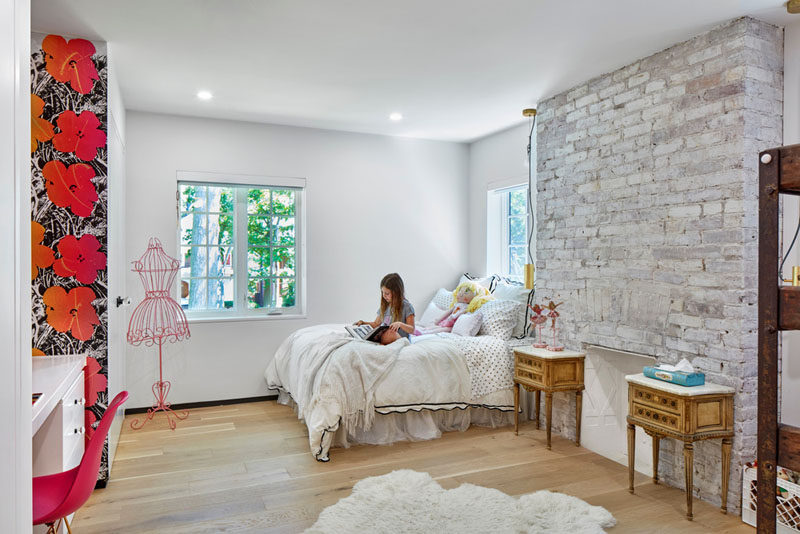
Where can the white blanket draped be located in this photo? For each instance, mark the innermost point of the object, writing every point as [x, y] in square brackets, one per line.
[335, 380]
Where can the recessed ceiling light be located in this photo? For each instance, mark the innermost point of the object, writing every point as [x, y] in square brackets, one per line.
[204, 95]
[396, 116]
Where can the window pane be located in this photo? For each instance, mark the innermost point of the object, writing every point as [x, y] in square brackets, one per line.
[220, 261]
[285, 292]
[220, 199]
[258, 230]
[193, 262]
[517, 202]
[193, 229]
[283, 231]
[225, 223]
[196, 297]
[220, 293]
[516, 261]
[258, 294]
[516, 230]
[283, 202]
[257, 262]
[193, 197]
[283, 261]
[258, 201]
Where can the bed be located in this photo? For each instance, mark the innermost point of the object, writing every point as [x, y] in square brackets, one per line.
[350, 391]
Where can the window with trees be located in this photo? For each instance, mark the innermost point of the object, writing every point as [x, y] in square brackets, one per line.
[507, 231]
[239, 248]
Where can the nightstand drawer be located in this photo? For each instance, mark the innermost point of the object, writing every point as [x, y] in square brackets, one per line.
[528, 375]
[655, 399]
[656, 417]
[529, 362]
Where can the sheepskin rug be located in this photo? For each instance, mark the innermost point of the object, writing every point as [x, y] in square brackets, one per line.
[407, 501]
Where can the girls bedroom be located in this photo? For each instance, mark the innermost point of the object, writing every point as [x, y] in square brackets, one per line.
[419, 267]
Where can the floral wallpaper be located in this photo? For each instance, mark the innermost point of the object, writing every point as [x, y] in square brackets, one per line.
[69, 174]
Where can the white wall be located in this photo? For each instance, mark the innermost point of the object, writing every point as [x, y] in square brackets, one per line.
[15, 306]
[790, 377]
[498, 159]
[375, 204]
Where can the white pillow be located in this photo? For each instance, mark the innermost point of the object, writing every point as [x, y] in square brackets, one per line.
[443, 299]
[467, 324]
[499, 318]
[517, 293]
[432, 314]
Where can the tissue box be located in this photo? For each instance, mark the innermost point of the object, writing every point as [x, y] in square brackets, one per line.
[675, 377]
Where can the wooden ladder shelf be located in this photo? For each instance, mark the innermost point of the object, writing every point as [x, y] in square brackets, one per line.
[778, 309]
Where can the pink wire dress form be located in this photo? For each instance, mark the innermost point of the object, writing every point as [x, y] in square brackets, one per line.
[158, 318]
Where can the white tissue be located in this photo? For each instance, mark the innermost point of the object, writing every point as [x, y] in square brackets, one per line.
[683, 366]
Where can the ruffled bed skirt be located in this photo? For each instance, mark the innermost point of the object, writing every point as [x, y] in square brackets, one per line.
[425, 424]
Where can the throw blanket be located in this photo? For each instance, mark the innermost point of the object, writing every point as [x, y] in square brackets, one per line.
[337, 381]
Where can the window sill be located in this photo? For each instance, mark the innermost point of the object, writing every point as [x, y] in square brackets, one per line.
[241, 317]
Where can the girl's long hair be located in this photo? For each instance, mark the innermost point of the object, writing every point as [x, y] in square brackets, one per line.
[393, 283]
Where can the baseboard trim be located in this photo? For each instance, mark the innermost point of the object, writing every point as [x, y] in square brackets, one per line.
[205, 404]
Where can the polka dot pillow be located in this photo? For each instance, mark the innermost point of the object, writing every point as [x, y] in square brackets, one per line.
[443, 299]
[499, 318]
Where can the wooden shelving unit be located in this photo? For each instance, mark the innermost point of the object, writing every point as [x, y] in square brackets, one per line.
[778, 309]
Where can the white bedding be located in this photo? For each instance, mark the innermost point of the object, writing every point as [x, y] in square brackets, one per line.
[337, 381]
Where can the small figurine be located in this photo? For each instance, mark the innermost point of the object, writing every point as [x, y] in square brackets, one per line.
[538, 318]
[553, 314]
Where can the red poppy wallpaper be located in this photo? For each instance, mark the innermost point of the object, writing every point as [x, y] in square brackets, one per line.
[69, 217]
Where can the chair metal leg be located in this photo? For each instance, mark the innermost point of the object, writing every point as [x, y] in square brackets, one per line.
[69, 530]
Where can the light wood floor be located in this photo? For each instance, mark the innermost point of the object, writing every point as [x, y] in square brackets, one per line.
[247, 468]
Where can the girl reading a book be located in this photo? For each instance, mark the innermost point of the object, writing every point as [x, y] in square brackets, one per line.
[394, 310]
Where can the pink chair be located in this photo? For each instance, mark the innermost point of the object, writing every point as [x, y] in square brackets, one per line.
[57, 496]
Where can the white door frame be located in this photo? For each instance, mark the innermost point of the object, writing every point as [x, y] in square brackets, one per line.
[15, 267]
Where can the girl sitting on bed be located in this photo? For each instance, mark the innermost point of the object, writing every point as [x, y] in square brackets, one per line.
[395, 310]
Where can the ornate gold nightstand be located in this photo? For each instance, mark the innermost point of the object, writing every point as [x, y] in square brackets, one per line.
[689, 414]
[543, 370]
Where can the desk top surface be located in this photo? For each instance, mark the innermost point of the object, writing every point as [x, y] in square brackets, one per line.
[687, 391]
[548, 354]
[52, 376]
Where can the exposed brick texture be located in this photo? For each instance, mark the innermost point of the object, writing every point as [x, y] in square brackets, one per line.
[647, 217]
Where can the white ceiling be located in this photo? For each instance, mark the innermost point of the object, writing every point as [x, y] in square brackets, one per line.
[456, 69]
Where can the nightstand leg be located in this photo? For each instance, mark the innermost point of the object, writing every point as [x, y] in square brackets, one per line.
[656, 443]
[538, 399]
[548, 409]
[516, 409]
[578, 407]
[631, 454]
[726, 472]
[688, 468]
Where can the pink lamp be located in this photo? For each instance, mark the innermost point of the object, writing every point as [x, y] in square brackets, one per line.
[156, 319]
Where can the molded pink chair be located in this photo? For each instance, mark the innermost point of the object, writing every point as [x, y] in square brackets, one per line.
[57, 496]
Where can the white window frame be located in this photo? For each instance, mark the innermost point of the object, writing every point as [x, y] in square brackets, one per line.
[497, 227]
[240, 311]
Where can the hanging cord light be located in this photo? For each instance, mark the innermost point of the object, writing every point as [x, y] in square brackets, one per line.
[530, 114]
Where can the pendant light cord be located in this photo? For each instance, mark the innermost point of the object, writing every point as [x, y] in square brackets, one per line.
[526, 329]
[788, 251]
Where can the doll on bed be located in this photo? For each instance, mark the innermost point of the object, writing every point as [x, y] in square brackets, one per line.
[467, 298]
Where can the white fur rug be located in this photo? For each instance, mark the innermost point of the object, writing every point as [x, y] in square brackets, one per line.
[411, 502]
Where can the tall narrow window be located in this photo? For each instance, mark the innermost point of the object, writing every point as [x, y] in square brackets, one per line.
[239, 248]
[507, 231]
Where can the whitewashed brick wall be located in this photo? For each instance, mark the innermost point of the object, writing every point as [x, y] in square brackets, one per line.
[647, 217]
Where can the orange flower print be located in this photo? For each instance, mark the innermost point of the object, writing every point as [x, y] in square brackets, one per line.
[71, 62]
[71, 312]
[41, 256]
[70, 187]
[37, 352]
[79, 134]
[41, 130]
[94, 382]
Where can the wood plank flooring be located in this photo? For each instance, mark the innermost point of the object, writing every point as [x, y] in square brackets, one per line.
[247, 468]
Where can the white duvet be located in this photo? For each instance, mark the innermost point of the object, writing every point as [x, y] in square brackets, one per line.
[336, 380]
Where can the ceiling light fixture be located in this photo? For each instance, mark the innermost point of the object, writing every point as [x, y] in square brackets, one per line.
[204, 95]
[396, 116]
[793, 6]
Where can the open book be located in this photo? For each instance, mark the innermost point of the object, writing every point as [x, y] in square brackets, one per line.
[366, 332]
